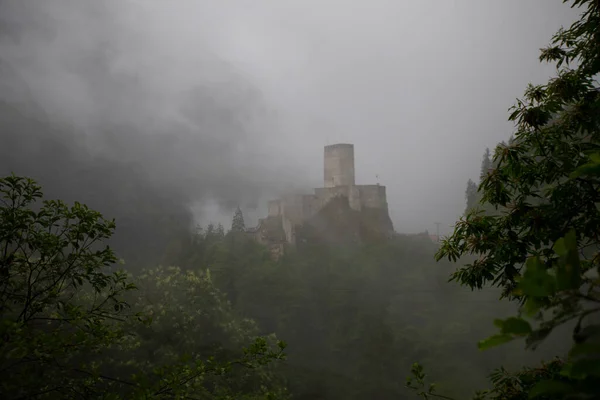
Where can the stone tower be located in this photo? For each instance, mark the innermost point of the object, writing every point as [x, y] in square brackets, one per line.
[339, 165]
[367, 204]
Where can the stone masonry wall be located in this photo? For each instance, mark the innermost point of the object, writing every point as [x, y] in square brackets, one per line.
[338, 168]
[373, 196]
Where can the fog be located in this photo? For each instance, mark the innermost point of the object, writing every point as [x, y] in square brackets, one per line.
[210, 105]
[169, 114]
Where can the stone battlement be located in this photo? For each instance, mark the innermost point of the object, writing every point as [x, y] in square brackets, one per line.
[338, 146]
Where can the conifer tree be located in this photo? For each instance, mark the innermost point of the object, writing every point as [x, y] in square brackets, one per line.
[486, 164]
[471, 195]
[210, 230]
[220, 232]
[237, 224]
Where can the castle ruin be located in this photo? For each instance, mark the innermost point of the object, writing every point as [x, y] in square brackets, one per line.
[291, 211]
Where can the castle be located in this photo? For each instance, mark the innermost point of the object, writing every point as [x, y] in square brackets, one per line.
[289, 212]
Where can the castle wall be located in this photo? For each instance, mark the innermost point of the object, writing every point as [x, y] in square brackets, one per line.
[373, 196]
[288, 229]
[354, 200]
[293, 208]
[274, 208]
[339, 165]
[326, 194]
[268, 231]
[310, 205]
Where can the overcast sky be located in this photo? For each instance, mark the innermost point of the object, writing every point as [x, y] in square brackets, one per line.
[420, 87]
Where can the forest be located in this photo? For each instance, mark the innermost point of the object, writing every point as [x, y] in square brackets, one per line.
[132, 303]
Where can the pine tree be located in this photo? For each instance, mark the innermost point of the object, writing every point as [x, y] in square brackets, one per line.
[486, 164]
[237, 224]
[220, 231]
[210, 230]
[471, 195]
[211, 233]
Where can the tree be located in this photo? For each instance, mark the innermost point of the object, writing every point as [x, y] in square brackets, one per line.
[58, 303]
[237, 225]
[546, 182]
[220, 232]
[69, 333]
[471, 195]
[557, 133]
[486, 164]
[192, 321]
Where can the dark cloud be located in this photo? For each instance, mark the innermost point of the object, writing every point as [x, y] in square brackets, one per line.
[92, 119]
[224, 103]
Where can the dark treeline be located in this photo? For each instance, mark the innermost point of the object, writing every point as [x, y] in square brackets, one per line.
[357, 317]
[354, 317]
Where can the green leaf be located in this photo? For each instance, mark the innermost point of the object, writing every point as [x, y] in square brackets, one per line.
[515, 326]
[532, 306]
[536, 281]
[568, 268]
[570, 240]
[549, 387]
[586, 367]
[566, 370]
[499, 323]
[560, 247]
[494, 341]
[595, 158]
[586, 169]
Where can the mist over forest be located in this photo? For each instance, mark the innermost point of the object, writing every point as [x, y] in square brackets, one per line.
[183, 120]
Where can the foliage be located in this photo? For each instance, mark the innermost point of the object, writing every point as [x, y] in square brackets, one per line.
[552, 286]
[192, 321]
[471, 196]
[505, 385]
[237, 225]
[557, 131]
[418, 384]
[541, 246]
[518, 385]
[48, 257]
[69, 333]
[354, 316]
[486, 165]
[558, 286]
